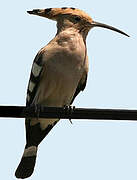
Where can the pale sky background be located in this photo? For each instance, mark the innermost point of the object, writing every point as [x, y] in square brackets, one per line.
[86, 150]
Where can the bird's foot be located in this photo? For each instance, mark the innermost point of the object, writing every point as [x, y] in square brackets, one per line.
[69, 111]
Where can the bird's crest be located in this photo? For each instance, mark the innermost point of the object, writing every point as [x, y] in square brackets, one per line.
[54, 13]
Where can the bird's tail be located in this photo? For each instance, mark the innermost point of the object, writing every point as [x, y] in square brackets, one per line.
[27, 163]
[34, 136]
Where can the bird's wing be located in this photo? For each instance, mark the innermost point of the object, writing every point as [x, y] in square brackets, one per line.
[81, 86]
[33, 128]
[34, 80]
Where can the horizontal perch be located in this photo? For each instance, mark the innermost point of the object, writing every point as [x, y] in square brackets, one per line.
[67, 113]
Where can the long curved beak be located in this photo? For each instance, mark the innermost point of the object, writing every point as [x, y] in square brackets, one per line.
[97, 24]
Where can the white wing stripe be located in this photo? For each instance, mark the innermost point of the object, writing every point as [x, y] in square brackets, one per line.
[36, 69]
[28, 97]
[31, 86]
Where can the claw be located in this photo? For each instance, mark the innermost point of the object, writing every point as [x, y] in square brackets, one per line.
[70, 121]
[69, 110]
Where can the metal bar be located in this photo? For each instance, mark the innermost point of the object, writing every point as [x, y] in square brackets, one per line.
[64, 113]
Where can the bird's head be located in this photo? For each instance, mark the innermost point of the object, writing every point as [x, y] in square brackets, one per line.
[72, 17]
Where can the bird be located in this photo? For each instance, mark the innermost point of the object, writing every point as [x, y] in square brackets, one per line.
[59, 73]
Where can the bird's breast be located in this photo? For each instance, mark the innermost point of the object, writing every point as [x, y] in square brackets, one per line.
[73, 42]
[65, 61]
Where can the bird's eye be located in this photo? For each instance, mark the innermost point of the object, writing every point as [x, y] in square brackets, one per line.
[77, 19]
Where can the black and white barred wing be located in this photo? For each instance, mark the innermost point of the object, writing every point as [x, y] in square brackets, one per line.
[34, 80]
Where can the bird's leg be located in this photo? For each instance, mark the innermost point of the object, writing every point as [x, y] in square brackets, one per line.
[69, 110]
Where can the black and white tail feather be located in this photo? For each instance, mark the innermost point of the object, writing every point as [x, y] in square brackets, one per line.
[34, 136]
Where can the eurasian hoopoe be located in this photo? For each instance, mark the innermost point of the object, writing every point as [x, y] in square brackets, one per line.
[59, 73]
